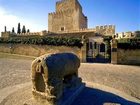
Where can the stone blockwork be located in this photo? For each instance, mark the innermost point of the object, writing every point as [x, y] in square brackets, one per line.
[129, 34]
[38, 50]
[10, 34]
[7, 34]
[106, 30]
[128, 56]
[114, 52]
[124, 56]
[68, 17]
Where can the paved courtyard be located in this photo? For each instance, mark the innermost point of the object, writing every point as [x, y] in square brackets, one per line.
[120, 79]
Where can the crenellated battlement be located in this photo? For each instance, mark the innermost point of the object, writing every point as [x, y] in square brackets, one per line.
[10, 34]
[129, 34]
[61, 1]
[106, 29]
[7, 34]
[60, 13]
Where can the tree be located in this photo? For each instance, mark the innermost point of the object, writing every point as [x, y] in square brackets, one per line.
[28, 31]
[24, 29]
[13, 30]
[137, 33]
[18, 30]
[5, 30]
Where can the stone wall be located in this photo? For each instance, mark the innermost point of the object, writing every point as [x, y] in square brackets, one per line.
[106, 30]
[10, 34]
[60, 20]
[124, 35]
[65, 5]
[38, 50]
[7, 34]
[128, 56]
[83, 21]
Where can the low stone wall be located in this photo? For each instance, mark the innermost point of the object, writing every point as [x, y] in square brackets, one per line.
[38, 50]
[128, 56]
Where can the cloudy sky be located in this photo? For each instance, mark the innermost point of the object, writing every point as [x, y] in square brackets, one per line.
[125, 14]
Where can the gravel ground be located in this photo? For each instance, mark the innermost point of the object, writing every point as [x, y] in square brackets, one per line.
[121, 77]
[14, 71]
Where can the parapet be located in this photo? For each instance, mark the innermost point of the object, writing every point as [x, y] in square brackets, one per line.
[106, 30]
[105, 27]
[10, 34]
[129, 34]
[79, 31]
[60, 13]
[60, 1]
[7, 34]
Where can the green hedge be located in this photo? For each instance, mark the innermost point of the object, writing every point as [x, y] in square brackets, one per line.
[43, 40]
[129, 43]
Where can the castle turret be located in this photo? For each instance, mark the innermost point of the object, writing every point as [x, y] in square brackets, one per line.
[67, 17]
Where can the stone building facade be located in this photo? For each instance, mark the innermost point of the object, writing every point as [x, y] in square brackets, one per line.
[67, 17]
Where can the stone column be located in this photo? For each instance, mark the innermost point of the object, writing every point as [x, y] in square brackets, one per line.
[114, 51]
[84, 50]
[83, 53]
[105, 50]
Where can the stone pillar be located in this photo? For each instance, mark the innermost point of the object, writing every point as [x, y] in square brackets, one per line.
[83, 53]
[105, 50]
[114, 51]
[93, 49]
[83, 57]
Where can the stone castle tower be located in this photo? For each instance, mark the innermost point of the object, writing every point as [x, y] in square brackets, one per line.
[67, 17]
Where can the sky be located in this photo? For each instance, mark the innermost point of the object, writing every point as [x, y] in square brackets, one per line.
[124, 14]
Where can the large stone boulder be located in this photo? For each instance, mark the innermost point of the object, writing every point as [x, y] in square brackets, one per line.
[54, 74]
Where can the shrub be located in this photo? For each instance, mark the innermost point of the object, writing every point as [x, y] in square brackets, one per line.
[129, 43]
[43, 40]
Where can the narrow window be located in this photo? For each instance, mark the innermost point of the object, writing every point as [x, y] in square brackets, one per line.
[90, 45]
[102, 47]
[95, 45]
[62, 28]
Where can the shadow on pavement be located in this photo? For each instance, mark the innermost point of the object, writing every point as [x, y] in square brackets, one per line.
[90, 96]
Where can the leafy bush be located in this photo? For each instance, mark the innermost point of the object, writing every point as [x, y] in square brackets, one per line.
[129, 43]
[43, 40]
